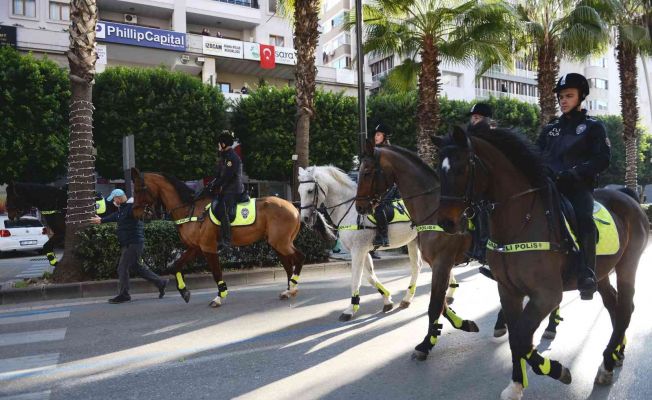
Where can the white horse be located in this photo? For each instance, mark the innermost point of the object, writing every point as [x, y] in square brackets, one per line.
[331, 187]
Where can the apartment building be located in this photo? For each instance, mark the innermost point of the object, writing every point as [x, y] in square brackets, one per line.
[219, 41]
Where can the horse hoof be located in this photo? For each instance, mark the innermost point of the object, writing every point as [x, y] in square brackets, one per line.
[388, 307]
[404, 304]
[619, 363]
[449, 300]
[604, 377]
[513, 391]
[470, 326]
[345, 317]
[419, 355]
[215, 304]
[500, 332]
[185, 294]
[565, 377]
[283, 296]
[550, 335]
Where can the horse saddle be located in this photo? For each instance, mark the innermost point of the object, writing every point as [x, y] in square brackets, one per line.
[394, 211]
[607, 241]
[243, 214]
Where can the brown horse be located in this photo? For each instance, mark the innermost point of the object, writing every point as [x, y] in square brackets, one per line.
[418, 183]
[277, 221]
[529, 256]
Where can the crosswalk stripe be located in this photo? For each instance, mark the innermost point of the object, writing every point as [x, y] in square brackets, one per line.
[48, 335]
[13, 367]
[29, 396]
[33, 317]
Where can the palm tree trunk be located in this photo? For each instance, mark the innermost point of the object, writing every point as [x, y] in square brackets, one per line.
[81, 161]
[428, 106]
[306, 35]
[627, 70]
[548, 69]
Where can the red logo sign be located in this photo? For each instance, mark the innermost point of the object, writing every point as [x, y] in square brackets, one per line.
[267, 56]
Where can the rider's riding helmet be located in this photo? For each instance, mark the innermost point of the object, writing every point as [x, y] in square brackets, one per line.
[573, 80]
[382, 128]
[226, 137]
[483, 109]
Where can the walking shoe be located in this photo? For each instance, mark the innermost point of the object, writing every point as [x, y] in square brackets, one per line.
[121, 298]
[161, 289]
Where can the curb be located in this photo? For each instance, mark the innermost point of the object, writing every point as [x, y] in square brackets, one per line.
[195, 281]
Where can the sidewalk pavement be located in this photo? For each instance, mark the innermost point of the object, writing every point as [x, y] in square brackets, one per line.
[193, 281]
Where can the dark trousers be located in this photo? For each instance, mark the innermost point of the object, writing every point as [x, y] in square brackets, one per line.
[131, 260]
[223, 210]
[381, 219]
[582, 200]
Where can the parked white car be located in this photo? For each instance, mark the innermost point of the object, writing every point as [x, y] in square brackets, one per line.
[26, 234]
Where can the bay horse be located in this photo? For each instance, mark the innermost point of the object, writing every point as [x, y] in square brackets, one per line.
[50, 201]
[501, 170]
[380, 168]
[334, 189]
[277, 221]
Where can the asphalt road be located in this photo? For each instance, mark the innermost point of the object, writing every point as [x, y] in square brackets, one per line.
[15, 266]
[257, 347]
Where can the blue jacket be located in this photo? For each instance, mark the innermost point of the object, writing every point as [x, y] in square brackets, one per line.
[130, 230]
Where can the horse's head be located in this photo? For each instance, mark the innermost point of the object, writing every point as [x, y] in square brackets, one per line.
[458, 171]
[16, 206]
[373, 180]
[311, 194]
[145, 199]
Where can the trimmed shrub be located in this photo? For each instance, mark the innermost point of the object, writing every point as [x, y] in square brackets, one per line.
[100, 251]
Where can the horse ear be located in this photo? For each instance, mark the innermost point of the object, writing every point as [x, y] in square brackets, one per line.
[369, 147]
[459, 136]
[135, 174]
[437, 140]
[301, 171]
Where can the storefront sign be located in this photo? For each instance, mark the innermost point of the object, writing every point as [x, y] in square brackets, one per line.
[222, 47]
[283, 55]
[101, 53]
[8, 36]
[140, 36]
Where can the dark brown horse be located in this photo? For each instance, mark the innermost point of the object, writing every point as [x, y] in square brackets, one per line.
[500, 170]
[419, 186]
[277, 221]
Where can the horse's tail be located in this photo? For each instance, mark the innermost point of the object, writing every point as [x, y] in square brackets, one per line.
[324, 229]
[631, 193]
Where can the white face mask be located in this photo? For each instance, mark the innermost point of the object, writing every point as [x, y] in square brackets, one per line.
[115, 204]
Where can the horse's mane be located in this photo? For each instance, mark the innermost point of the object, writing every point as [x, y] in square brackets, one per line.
[412, 156]
[187, 195]
[340, 177]
[517, 148]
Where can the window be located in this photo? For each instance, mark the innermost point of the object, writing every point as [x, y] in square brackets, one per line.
[225, 87]
[341, 63]
[23, 223]
[450, 79]
[380, 68]
[598, 83]
[337, 20]
[332, 45]
[328, 4]
[598, 62]
[59, 10]
[26, 8]
[272, 6]
[278, 41]
[598, 105]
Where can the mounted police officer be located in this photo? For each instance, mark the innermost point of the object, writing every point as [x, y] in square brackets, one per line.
[577, 150]
[381, 138]
[228, 186]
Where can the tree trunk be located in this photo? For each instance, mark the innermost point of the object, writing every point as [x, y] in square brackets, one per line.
[428, 106]
[629, 109]
[306, 35]
[81, 161]
[548, 69]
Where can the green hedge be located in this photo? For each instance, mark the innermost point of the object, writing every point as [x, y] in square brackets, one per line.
[99, 248]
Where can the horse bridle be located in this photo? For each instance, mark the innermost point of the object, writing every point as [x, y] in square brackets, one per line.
[316, 208]
[375, 198]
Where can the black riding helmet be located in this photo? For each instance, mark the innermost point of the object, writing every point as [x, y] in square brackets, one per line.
[573, 80]
[483, 109]
[226, 137]
[382, 128]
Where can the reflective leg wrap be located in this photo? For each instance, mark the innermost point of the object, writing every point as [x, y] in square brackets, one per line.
[52, 258]
[180, 283]
[221, 288]
[619, 353]
[294, 281]
[452, 286]
[434, 332]
[453, 318]
[543, 366]
[382, 290]
[355, 301]
[412, 289]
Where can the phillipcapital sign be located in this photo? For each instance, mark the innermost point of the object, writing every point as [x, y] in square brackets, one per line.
[140, 36]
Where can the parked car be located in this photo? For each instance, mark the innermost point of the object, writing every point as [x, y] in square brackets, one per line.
[26, 234]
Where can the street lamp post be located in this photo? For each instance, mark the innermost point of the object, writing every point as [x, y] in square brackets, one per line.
[362, 107]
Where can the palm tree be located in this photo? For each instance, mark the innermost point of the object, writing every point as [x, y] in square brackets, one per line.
[305, 14]
[554, 29]
[632, 38]
[81, 162]
[427, 32]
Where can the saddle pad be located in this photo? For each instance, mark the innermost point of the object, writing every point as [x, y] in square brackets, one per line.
[399, 214]
[608, 241]
[245, 214]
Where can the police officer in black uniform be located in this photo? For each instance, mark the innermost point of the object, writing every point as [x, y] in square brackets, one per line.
[381, 138]
[577, 150]
[228, 186]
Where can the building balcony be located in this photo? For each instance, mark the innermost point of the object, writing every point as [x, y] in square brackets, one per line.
[242, 3]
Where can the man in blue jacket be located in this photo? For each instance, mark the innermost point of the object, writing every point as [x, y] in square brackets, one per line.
[131, 237]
